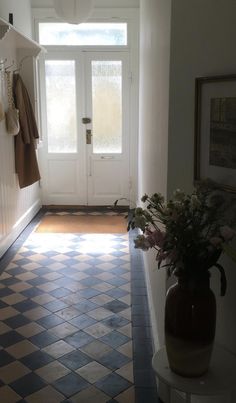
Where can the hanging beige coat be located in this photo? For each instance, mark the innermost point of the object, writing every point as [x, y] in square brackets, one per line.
[25, 154]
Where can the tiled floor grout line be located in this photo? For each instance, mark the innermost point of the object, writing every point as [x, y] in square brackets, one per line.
[144, 379]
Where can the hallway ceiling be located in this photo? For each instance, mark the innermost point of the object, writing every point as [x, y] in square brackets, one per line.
[98, 3]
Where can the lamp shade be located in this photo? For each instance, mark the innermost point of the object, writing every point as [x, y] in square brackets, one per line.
[73, 11]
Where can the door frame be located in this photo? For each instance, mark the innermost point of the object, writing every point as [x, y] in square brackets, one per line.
[130, 15]
[83, 159]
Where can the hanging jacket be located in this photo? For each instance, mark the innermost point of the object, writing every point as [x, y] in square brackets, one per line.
[26, 163]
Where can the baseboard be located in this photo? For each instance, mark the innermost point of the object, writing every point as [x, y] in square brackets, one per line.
[155, 338]
[157, 343]
[19, 226]
[52, 207]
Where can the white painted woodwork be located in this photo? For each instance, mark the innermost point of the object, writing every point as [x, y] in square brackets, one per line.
[108, 173]
[83, 177]
[17, 206]
[62, 176]
[128, 12]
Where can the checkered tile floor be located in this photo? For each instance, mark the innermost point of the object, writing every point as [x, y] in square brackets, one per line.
[65, 320]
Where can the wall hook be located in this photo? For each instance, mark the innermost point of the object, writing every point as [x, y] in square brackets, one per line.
[2, 63]
[21, 63]
[8, 67]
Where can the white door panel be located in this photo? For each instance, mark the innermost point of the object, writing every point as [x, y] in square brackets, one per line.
[108, 104]
[107, 181]
[62, 176]
[93, 85]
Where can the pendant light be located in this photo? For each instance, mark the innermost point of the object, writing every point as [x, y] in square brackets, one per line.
[73, 11]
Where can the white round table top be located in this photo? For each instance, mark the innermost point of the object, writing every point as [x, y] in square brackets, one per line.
[220, 377]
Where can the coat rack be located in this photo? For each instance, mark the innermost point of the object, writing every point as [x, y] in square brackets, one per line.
[18, 69]
[21, 64]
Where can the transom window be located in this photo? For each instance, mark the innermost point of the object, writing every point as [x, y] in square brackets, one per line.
[86, 34]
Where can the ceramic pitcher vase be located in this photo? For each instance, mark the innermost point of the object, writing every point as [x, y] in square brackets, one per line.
[190, 319]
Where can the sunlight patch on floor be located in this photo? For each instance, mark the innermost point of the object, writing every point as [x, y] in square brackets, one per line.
[89, 243]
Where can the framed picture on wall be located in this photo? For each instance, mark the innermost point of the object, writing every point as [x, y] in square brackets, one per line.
[215, 130]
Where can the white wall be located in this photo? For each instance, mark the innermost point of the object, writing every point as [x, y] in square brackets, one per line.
[154, 101]
[21, 10]
[202, 44]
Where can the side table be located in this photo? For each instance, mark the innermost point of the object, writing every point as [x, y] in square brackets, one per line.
[220, 380]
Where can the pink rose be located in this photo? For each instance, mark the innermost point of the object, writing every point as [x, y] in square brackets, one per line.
[215, 241]
[227, 233]
[156, 238]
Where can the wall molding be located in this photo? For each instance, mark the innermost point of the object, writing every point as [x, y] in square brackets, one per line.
[19, 226]
[156, 340]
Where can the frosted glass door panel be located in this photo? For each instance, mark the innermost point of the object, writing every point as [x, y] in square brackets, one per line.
[86, 34]
[61, 106]
[107, 106]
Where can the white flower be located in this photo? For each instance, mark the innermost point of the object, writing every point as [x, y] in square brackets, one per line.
[195, 202]
[179, 195]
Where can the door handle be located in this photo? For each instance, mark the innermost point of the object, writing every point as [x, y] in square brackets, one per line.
[88, 136]
[86, 121]
[107, 157]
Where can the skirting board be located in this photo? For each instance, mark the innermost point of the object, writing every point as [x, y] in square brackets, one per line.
[19, 226]
[157, 342]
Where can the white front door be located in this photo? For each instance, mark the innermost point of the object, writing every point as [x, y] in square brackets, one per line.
[85, 153]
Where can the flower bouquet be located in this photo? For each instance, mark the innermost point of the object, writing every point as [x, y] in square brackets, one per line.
[189, 232]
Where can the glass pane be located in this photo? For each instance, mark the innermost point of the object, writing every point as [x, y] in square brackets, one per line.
[54, 33]
[107, 106]
[61, 106]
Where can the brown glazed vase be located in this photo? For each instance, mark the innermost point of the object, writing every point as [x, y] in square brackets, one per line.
[190, 319]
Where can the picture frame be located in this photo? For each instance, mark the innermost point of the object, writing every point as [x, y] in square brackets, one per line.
[215, 130]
